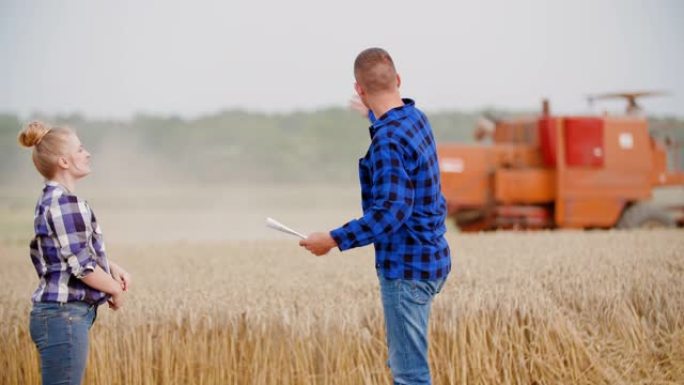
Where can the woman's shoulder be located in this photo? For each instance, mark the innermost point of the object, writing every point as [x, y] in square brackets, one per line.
[57, 197]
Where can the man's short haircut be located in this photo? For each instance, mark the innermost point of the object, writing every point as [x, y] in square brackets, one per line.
[374, 70]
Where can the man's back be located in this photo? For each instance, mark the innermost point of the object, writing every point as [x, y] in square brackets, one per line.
[402, 160]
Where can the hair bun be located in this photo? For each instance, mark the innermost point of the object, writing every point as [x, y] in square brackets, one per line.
[33, 133]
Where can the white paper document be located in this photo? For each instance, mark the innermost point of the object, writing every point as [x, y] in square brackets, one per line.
[272, 223]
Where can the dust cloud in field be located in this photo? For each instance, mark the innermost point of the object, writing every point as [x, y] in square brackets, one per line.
[221, 212]
[139, 194]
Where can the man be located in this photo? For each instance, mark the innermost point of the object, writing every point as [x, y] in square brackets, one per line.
[403, 215]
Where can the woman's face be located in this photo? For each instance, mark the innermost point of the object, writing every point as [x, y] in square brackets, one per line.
[77, 157]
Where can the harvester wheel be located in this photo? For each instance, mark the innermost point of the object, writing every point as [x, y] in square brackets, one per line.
[645, 216]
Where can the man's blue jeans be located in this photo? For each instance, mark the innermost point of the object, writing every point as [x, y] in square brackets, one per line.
[60, 332]
[406, 304]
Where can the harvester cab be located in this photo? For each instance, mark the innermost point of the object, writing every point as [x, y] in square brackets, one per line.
[550, 171]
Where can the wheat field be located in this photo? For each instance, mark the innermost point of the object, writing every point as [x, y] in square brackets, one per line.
[519, 308]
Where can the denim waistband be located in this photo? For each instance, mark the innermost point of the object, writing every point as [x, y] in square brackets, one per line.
[60, 305]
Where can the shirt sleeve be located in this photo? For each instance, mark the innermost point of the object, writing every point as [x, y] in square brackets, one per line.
[69, 219]
[392, 196]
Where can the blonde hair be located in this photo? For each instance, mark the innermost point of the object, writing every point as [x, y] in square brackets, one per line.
[48, 145]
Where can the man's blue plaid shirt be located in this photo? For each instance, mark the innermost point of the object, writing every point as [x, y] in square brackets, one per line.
[403, 207]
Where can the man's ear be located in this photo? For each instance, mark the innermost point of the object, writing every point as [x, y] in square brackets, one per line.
[398, 81]
[359, 89]
[62, 163]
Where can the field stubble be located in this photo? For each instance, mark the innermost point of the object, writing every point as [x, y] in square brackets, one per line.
[525, 308]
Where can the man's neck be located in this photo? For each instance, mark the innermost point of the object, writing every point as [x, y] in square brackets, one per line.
[382, 103]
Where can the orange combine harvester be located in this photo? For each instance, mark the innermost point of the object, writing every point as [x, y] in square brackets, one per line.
[562, 172]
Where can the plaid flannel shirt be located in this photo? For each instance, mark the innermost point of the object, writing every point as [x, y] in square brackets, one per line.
[403, 207]
[67, 246]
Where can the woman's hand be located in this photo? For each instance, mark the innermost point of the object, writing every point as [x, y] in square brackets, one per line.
[116, 301]
[120, 275]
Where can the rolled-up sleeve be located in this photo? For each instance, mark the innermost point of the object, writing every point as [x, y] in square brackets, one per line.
[393, 195]
[69, 219]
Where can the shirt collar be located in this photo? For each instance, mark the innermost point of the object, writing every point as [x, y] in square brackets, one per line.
[392, 115]
[53, 184]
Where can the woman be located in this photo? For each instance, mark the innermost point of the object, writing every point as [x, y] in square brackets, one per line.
[68, 254]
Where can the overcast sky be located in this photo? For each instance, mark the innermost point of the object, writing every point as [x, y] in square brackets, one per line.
[117, 58]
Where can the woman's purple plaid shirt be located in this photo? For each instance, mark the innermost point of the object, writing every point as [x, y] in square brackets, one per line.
[403, 206]
[67, 246]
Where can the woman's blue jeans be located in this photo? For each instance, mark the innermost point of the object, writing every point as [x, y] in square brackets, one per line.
[406, 304]
[60, 332]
